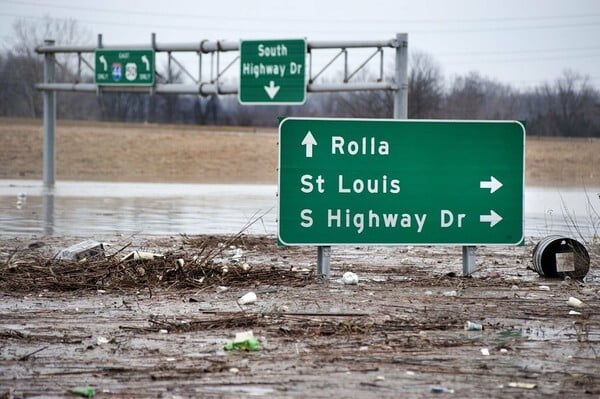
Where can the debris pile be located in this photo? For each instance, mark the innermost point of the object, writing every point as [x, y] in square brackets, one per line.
[88, 265]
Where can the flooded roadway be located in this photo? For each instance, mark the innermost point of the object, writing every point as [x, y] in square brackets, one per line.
[101, 209]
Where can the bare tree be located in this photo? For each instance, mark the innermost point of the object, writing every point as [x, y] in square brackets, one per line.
[425, 86]
[25, 65]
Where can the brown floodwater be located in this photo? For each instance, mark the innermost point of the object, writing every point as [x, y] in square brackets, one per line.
[103, 209]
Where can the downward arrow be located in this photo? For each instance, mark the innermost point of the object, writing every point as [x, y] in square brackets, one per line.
[493, 218]
[145, 61]
[309, 141]
[272, 90]
[493, 184]
[103, 61]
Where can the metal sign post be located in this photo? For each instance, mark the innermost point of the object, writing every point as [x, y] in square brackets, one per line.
[49, 172]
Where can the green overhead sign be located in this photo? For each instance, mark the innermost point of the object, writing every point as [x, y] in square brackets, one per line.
[352, 181]
[272, 71]
[124, 67]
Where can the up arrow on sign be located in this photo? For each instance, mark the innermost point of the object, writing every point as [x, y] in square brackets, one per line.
[309, 141]
[146, 62]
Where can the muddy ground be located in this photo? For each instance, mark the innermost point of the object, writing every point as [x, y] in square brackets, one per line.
[150, 329]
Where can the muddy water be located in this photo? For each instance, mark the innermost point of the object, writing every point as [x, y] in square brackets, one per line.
[103, 209]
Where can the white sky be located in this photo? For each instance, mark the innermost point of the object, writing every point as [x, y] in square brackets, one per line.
[519, 42]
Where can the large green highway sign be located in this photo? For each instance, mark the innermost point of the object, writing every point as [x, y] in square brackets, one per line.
[124, 67]
[272, 71]
[352, 181]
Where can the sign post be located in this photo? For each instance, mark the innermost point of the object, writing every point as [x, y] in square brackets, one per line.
[124, 67]
[272, 71]
[353, 181]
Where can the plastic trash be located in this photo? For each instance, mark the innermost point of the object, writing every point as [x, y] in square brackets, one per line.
[247, 299]
[88, 249]
[522, 385]
[441, 390]
[485, 351]
[86, 392]
[244, 341]
[21, 199]
[235, 254]
[473, 326]
[574, 302]
[245, 267]
[142, 255]
[350, 278]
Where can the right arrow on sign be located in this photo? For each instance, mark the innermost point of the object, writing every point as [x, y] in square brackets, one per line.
[493, 218]
[272, 89]
[309, 141]
[493, 184]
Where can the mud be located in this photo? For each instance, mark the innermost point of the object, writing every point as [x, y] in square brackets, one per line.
[398, 333]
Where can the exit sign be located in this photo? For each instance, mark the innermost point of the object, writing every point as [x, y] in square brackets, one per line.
[124, 67]
[353, 181]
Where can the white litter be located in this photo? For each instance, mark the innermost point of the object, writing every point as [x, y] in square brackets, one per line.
[142, 255]
[245, 267]
[247, 299]
[350, 278]
[243, 336]
[574, 302]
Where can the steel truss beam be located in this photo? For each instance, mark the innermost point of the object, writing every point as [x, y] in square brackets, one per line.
[216, 83]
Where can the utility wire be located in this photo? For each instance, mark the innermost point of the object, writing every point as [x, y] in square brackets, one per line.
[338, 19]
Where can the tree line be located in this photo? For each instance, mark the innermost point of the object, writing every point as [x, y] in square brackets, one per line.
[568, 106]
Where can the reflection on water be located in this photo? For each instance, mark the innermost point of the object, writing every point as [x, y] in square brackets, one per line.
[101, 209]
[566, 211]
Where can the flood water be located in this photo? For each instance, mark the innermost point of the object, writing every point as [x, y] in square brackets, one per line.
[99, 209]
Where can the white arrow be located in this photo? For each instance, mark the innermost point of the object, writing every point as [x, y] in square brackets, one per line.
[272, 90]
[309, 141]
[493, 184]
[145, 61]
[103, 61]
[493, 218]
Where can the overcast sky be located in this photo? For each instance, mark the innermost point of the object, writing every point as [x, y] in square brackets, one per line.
[520, 42]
